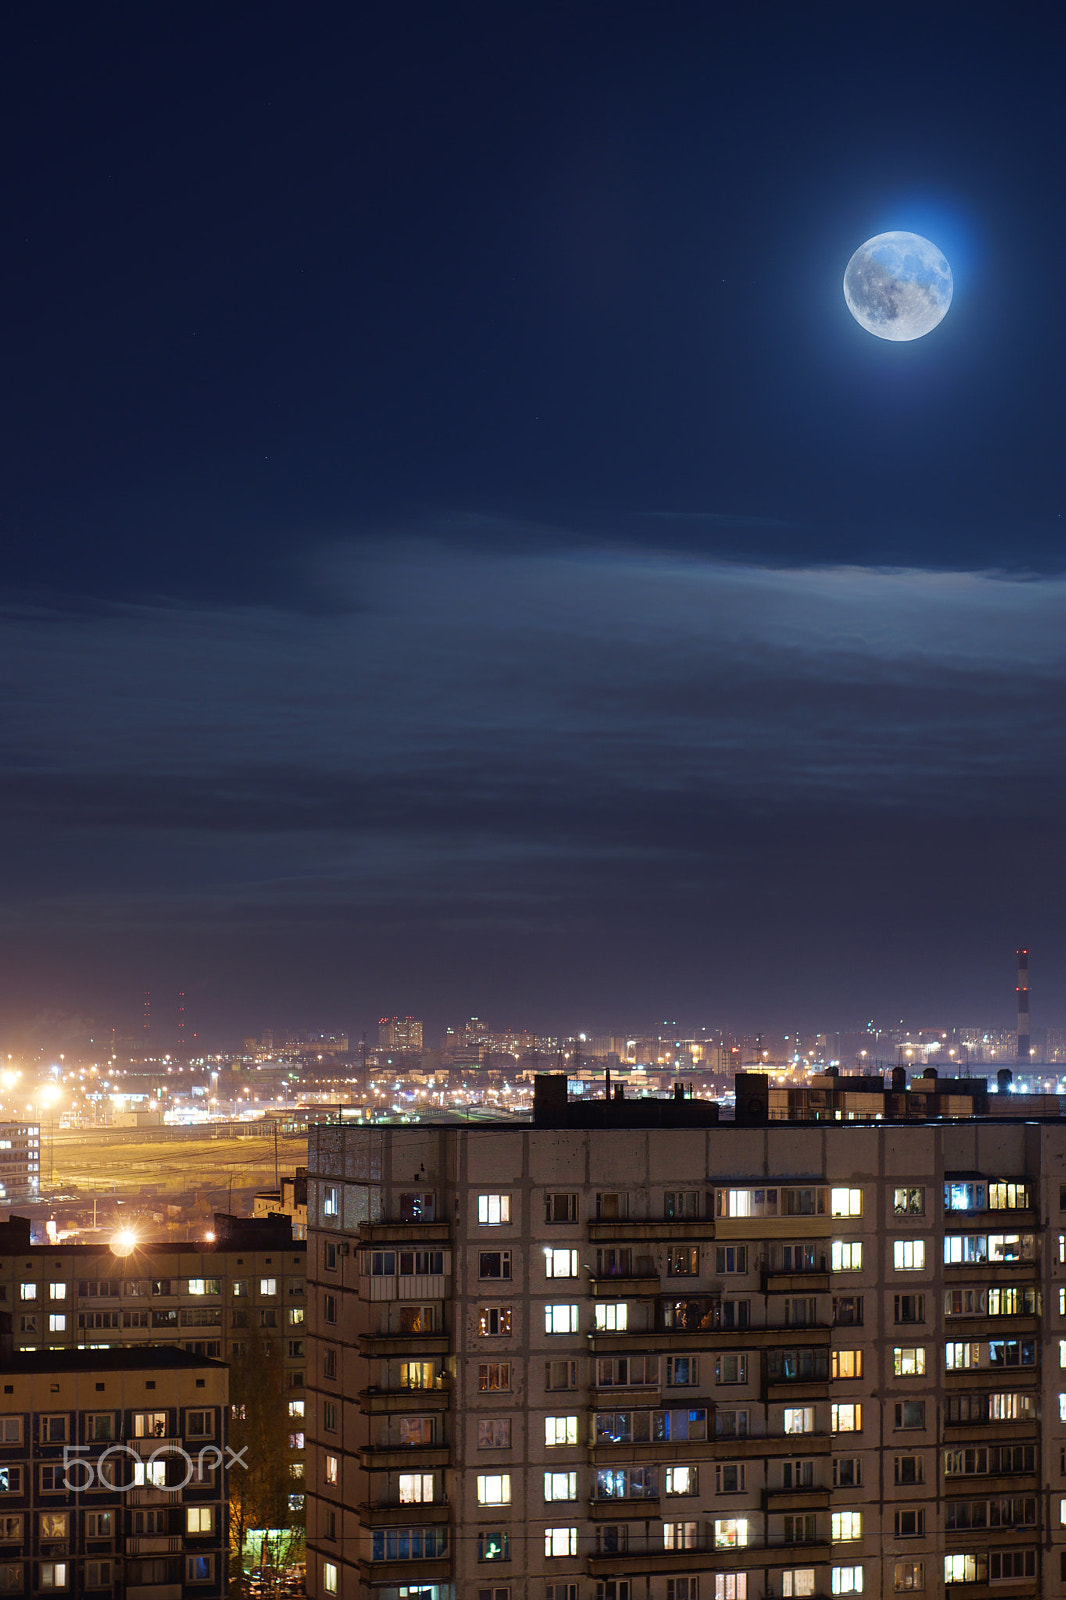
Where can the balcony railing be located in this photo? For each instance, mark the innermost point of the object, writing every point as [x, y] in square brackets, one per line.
[403, 1458]
[404, 1344]
[404, 1233]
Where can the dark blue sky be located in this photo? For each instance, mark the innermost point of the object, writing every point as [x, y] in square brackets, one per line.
[462, 555]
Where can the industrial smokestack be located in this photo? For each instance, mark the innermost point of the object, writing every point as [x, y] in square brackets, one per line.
[1023, 1005]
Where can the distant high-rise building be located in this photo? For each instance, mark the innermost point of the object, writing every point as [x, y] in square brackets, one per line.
[400, 1033]
[20, 1161]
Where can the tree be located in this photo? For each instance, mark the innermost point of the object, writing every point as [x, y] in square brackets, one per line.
[261, 1483]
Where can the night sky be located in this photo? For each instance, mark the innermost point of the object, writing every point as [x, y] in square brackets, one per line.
[461, 555]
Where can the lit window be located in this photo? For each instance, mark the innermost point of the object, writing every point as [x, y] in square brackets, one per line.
[846, 1364]
[847, 1580]
[494, 1489]
[730, 1586]
[908, 1576]
[331, 1469]
[909, 1202]
[845, 1417]
[57, 1291]
[560, 1541]
[560, 1430]
[330, 1206]
[560, 1263]
[57, 1322]
[560, 1319]
[27, 1291]
[799, 1419]
[560, 1486]
[329, 1577]
[493, 1209]
[494, 1545]
[908, 1255]
[493, 1322]
[908, 1361]
[846, 1255]
[797, 1582]
[199, 1519]
[730, 1533]
[845, 1202]
[682, 1480]
[53, 1574]
[612, 1316]
[268, 1286]
[845, 1525]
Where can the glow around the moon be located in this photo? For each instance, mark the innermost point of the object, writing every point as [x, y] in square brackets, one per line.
[898, 286]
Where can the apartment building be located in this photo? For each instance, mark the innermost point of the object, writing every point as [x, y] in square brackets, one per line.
[203, 1298]
[113, 1474]
[20, 1161]
[624, 1354]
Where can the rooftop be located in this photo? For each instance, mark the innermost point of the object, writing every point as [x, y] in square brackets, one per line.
[129, 1358]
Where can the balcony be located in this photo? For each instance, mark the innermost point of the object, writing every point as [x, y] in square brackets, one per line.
[386, 1233]
[624, 1397]
[647, 1556]
[1023, 1431]
[631, 1232]
[605, 1454]
[155, 1545]
[402, 1516]
[1024, 1379]
[389, 1286]
[643, 1507]
[404, 1458]
[794, 1282]
[410, 1345]
[1008, 1325]
[800, 1389]
[437, 1570]
[773, 1444]
[631, 1288]
[795, 1500]
[144, 1447]
[376, 1402]
[150, 1495]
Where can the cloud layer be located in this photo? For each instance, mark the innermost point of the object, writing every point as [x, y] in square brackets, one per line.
[532, 741]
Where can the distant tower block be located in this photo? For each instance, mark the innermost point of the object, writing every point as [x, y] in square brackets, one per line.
[1023, 1005]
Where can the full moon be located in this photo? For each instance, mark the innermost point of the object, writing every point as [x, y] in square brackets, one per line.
[898, 286]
